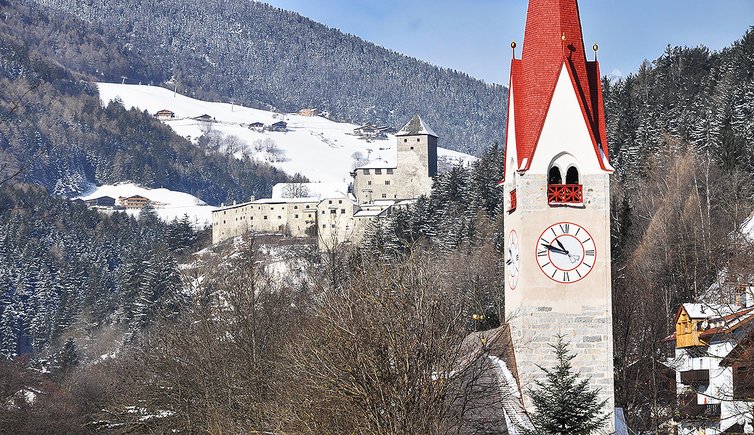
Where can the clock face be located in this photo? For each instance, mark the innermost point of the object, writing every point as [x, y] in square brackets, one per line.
[512, 261]
[566, 253]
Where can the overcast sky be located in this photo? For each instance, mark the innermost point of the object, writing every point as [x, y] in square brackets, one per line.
[474, 36]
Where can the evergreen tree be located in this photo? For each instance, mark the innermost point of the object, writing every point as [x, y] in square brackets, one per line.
[68, 358]
[564, 403]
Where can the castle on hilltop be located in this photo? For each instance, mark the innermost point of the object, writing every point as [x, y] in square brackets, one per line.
[334, 212]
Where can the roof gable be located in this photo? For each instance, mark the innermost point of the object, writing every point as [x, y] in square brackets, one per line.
[553, 40]
[416, 127]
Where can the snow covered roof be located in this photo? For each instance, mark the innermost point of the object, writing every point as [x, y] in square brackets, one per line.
[377, 164]
[311, 190]
[416, 127]
[708, 311]
[369, 213]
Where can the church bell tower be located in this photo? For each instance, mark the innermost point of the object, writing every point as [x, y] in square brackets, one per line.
[557, 193]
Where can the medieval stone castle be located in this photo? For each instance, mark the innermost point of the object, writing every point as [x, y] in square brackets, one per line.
[332, 212]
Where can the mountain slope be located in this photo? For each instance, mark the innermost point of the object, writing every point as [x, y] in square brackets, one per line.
[262, 56]
[320, 149]
[55, 132]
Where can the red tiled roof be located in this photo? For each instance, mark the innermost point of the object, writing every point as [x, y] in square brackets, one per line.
[535, 75]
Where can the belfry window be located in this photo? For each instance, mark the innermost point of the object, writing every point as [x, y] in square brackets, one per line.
[554, 176]
[572, 176]
[568, 191]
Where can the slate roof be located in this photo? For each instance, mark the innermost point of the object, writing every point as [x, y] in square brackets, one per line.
[416, 127]
[535, 75]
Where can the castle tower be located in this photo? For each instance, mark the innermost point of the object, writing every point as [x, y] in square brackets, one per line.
[417, 158]
[411, 176]
[557, 192]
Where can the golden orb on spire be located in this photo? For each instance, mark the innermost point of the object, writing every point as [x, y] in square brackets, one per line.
[563, 37]
[596, 47]
[513, 45]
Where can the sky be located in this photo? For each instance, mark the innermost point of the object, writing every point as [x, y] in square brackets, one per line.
[474, 36]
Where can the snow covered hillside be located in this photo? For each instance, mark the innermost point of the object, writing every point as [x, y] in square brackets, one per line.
[320, 149]
[169, 204]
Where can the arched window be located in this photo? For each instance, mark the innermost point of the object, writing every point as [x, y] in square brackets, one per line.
[554, 176]
[572, 176]
[564, 191]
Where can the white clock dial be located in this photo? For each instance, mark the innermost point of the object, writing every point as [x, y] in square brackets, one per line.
[566, 253]
[512, 262]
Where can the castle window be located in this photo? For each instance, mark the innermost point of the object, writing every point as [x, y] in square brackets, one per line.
[369, 183]
[295, 207]
[412, 147]
[342, 211]
[333, 211]
[265, 218]
[390, 172]
[296, 216]
[366, 171]
[280, 217]
[340, 201]
[384, 195]
[418, 140]
[387, 182]
[405, 140]
[378, 172]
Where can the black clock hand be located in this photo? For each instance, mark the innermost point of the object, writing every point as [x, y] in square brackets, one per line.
[554, 249]
[562, 247]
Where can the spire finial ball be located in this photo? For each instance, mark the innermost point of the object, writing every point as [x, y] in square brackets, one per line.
[513, 44]
[563, 37]
[596, 47]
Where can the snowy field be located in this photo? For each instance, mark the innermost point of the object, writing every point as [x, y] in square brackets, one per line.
[320, 149]
[171, 204]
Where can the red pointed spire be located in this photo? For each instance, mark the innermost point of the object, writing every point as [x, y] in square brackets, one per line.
[554, 37]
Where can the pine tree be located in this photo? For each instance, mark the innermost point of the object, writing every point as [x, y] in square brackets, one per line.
[68, 358]
[564, 403]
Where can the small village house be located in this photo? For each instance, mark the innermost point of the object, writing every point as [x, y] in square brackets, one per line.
[136, 202]
[308, 112]
[164, 115]
[103, 202]
[279, 127]
[714, 364]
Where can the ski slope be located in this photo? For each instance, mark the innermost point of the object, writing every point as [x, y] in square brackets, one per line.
[320, 149]
[171, 204]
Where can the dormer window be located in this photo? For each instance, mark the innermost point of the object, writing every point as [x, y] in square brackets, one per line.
[572, 176]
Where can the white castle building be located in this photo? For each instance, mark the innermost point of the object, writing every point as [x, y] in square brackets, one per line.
[331, 212]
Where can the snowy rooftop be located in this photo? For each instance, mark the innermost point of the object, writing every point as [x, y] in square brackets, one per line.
[369, 213]
[416, 127]
[311, 190]
[707, 311]
[378, 164]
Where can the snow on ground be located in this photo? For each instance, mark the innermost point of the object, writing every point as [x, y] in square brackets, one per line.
[171, 204]
[320, 149]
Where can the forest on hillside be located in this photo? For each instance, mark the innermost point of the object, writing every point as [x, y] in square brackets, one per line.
[54, 131]
[262, 56]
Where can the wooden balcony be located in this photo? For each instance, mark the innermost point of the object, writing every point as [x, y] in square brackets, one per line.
[689, 409]
[565, 194]
[695, 377]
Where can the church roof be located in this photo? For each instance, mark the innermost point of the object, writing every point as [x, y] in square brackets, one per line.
[553, 39]
[416, 127]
